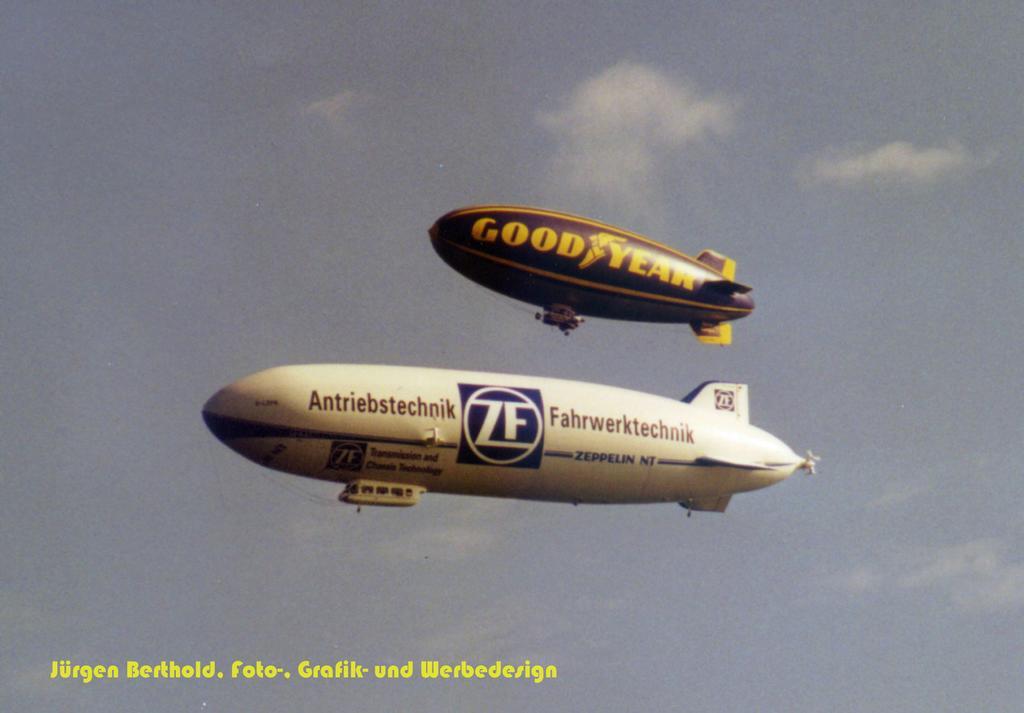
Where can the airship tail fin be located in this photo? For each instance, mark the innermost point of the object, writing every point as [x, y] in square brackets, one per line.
[721, 397]
[719, 263]
[710, 503]
[710, 333]
[726, 287]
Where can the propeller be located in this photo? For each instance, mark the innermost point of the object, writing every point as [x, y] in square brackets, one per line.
[808, 463]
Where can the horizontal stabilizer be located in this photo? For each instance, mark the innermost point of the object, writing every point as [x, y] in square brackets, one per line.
[721, 397]
[711, 503]
[727, 287]
[708, 333]
[719, 263]
[711, 462]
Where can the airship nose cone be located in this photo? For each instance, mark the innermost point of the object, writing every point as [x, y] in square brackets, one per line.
[239, 412]
[216, 420]
[211, 404]
[228, 419]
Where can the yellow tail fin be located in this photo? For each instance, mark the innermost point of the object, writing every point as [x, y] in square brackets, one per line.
[708, 333]
[719, 262]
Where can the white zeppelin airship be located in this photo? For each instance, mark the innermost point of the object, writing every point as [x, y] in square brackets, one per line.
[392, 433]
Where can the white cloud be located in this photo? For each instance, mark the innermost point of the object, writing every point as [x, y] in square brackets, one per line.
[497, 628]
[948, 563]
[21, 616]
[858, 580]
[617, 131]
[337, 109]
[465, 531]
[974, 576]
[895, 162]
[896, 493]
[446, 543]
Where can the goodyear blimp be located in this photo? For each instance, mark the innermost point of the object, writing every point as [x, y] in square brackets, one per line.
[392, 433]
[573, 266]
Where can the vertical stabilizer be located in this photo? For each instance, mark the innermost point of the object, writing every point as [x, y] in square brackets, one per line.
[719, 263]
[709, 333]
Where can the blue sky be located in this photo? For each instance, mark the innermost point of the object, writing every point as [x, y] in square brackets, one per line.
[192, 193]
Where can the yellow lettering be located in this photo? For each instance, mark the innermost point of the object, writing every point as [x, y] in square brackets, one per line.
[544, 239]
[482, 230]
[570, 245]
[682, 278]
[660, 269]
[515, 234]
[636, 264]
[619, 252]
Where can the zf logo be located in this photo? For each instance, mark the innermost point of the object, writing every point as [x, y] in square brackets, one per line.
[725, 400]
[346, 455]
[501, 426]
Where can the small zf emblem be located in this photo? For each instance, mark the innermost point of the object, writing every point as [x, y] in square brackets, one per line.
[724, 400]
[346, 455]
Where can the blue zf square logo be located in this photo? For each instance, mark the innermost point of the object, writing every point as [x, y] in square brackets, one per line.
[501, 426]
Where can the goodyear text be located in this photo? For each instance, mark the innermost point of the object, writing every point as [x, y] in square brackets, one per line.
[620, 252]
